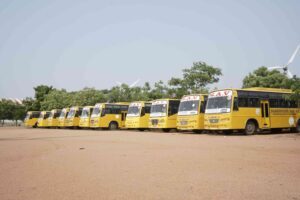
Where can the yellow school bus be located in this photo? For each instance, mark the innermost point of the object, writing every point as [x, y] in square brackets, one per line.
[138, 115]
[163, 114]
[109, 115]
[251, 110]
[191, 112]
[73, 117]
[43, 119]
[31, 119]
[63, 117]
[53, 118]
[85, 117]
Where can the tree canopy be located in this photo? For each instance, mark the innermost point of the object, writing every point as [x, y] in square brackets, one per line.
[262, 77]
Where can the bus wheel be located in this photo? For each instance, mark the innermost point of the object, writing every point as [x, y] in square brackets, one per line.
[141, 129]
[250, 128]
[113, 126]
[35, 125]
[166, 130]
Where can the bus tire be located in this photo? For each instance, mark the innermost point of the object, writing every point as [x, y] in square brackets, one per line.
[113, 126]
[250, 127]
[35, 125]
[141, 129]
[166, 130]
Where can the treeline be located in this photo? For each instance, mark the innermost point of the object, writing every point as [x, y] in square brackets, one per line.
[195, 79]
[10, 110]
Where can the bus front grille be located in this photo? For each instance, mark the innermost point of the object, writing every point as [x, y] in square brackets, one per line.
[213, 121]
[154, 121]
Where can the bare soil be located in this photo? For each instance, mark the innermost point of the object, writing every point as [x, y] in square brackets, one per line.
[44, 164]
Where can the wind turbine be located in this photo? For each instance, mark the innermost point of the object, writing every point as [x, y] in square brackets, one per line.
[285, 67]
[131, 85]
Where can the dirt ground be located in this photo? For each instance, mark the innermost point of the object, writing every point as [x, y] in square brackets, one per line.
[42, 164]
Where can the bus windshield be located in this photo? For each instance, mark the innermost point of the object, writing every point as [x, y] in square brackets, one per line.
[41, 116]
[85, 112]
[158, 110]
[62, 114]
[96, 112]
[28, 116]
[188, 107]
[134, 111]
[51, 115]
[220, 104]
[71, 113]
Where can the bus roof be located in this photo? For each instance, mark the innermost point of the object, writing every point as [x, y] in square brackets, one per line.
[195, 95]
[88, 106]
[33, 111]
[260, 89]
[166, 99]
[55, 110]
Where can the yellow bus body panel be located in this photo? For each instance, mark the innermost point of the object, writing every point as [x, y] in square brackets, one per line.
[190, 122]
[235, 120]
[137, 122]
[31, 122]
[104, 121]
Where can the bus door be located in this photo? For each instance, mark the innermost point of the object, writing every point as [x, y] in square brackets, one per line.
[123, 118]
[265, 113]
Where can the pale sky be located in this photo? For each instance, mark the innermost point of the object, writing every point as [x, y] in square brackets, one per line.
[76, 44]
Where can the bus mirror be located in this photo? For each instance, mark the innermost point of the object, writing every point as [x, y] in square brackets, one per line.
[235, 104]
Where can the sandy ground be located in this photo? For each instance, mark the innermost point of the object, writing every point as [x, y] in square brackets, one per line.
[42, 164]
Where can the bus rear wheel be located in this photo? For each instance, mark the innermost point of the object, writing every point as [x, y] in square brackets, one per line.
[250, 128]
[113, 126]
[166, 130]
[35, 125]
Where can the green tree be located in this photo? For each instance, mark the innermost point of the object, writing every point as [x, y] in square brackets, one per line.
[41, 92]
[18, 112]
[160, 90]
[10, 110]
[295, 86]
[195, 79]
[120, 94]
[262, 77]
[88, 97]
[30, 104]
[56, 99]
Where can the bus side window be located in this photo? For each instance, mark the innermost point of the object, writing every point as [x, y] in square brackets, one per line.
[147, 109]
[104, 111]
[235, 104]
[173, 107]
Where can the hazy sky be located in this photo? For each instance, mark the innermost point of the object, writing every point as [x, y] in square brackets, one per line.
[73, 44]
